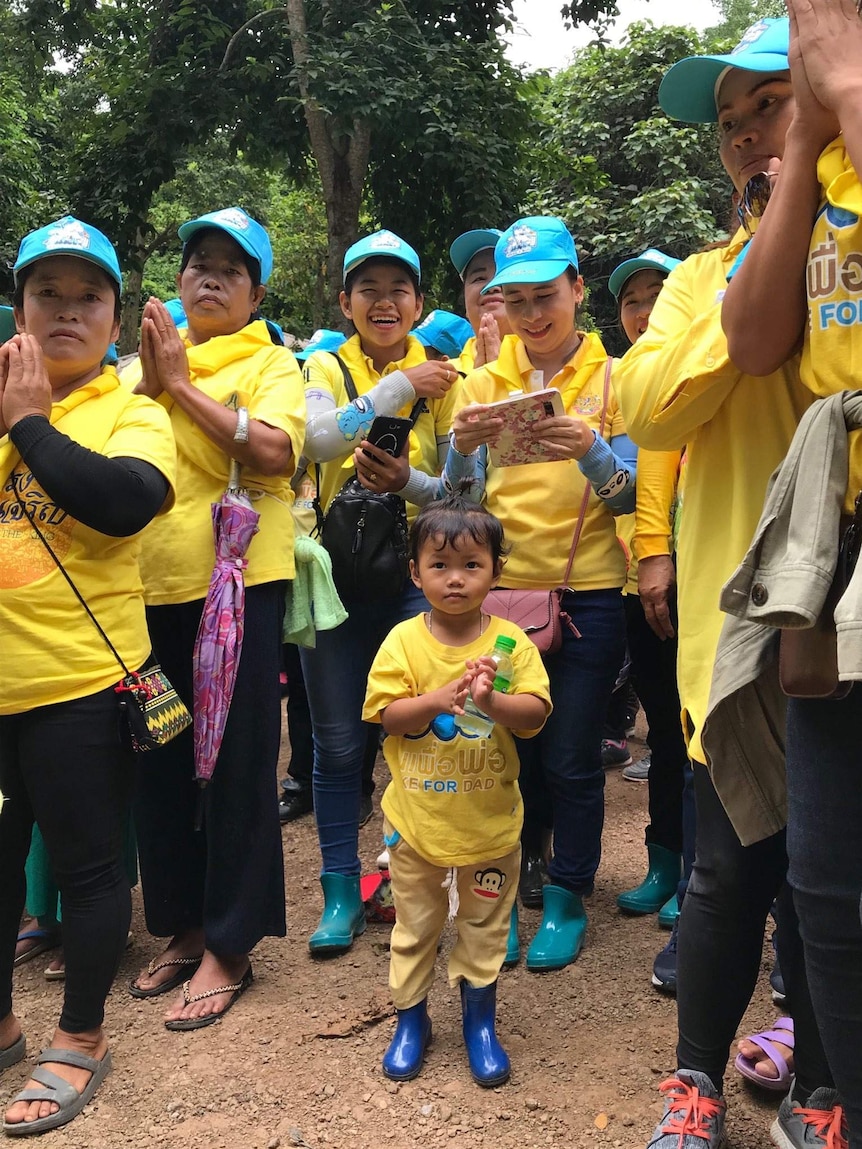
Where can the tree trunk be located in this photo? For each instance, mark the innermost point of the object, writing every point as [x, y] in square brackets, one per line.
[131, 312]
[342, 160]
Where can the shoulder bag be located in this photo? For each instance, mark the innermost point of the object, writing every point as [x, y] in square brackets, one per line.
[539, 613]
[365, 532]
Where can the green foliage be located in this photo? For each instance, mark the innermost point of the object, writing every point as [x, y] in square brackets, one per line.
[622, 175]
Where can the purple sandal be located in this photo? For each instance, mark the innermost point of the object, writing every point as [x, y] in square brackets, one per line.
[782, 1031]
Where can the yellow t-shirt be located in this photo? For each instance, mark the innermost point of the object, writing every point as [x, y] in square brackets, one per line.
[453, 797]
[52, 652]
[677, 386]
[466, 361]
[832, 352]
[241, 370]
[322, 373]
[538, 503]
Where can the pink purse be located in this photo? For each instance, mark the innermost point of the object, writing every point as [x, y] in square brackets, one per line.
[539, 613]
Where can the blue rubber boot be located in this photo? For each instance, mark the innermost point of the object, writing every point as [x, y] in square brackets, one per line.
[669, 913]
[489, 1062]
[513, 943]
[343, 917]
[402, 1061]
[561, 934]
[660, 882]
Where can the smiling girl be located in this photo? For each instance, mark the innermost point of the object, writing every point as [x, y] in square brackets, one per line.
[382, 299]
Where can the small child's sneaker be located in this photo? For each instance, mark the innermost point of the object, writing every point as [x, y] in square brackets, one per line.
[693, 1116]
[615, 753]
[820, 1122]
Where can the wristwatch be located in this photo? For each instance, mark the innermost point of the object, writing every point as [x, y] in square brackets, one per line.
[241, 433]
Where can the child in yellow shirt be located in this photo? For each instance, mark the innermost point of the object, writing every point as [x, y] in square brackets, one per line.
[453, 804]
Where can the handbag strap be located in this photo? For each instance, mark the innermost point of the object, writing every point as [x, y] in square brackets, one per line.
[352, 394]
[31, 520]
[579, 525]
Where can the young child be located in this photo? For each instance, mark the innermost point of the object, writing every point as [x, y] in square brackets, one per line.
[453, 811]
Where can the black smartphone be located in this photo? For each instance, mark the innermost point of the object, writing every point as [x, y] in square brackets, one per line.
[389, 433]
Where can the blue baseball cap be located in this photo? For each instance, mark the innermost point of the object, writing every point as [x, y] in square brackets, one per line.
[177, 312]
[7, 324]
[382, 243]
[535, 249]
[247, 232]
[445, 331]
[323, 339]
[69, 236]
[651, 260]
[689, 90]
[471, 243]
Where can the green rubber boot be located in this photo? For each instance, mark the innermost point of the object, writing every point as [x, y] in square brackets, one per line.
[343, 917]
[513, 944]
[669, 912]
[561, 934]
[659, 884]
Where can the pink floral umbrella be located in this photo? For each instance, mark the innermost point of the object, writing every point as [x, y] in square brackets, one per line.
[218, 645]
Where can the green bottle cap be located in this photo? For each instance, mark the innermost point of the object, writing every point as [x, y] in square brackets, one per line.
[505, 643]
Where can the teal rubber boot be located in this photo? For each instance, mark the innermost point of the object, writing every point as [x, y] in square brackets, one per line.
[659, 884]
[669, 913]
[561, 934]
[513, 943]
[343, 917]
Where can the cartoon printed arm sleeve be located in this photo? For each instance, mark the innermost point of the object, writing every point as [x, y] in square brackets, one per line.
[332, 432]
[421, 488]
[459, 470]
[611, 469]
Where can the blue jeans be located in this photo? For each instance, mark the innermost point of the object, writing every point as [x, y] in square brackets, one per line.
[569, 749]
[336, 675]
[824, 845]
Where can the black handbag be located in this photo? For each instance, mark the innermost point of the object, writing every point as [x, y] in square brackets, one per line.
[365, 532]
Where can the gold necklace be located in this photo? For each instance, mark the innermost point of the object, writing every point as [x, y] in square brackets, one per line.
[482, 620]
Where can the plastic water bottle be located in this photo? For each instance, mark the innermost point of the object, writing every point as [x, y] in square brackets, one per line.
[474, 720]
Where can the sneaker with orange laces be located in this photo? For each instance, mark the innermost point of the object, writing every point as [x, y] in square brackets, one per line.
[693, 1116]
[821, 1122]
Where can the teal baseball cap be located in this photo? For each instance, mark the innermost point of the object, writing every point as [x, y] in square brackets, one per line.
[689, 90]
[69, 236]
[470, 243]
[7, 324]
[381, 243]
[650, 260]
[535, 249]
[239, 225]
[324, 339]
[177, 312]
[445, 331]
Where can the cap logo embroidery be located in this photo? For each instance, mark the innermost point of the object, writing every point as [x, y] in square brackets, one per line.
[233, 218]
[427, 321]
[521, 242]
[752, 35]
[385, 241]
[71, 234]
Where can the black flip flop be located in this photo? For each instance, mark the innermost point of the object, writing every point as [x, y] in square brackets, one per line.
[182, 1024]
[186, 965]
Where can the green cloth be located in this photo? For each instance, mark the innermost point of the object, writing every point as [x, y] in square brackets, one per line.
[311, 602]
[43, 897]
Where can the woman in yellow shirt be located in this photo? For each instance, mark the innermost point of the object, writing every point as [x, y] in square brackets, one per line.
[389, 370]
[231, 395]
[542, 505]
[84, 466]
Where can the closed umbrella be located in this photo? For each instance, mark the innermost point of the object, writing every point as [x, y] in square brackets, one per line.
[218, 645]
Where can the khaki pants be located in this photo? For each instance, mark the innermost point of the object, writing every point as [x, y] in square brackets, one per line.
[486, 893]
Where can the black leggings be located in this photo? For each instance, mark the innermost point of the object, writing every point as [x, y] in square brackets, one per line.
[66, 767]
[730, 892]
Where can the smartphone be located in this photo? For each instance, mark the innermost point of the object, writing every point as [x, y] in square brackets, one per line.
[389, 433]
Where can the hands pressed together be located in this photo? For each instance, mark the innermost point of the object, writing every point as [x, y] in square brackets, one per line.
[24, 385]
[825, 56]
[163, 354]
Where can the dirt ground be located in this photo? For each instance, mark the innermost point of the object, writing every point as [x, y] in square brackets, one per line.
[297, 1062]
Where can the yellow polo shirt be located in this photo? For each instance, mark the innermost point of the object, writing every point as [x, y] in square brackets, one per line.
[538, 503]
[322, 373]
[241, 370]
[832, 352]
[677, 386]
[454, 798]
[52, 652]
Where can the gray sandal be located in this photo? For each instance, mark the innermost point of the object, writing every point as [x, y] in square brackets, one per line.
[13, 1053]
[58, 1091]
